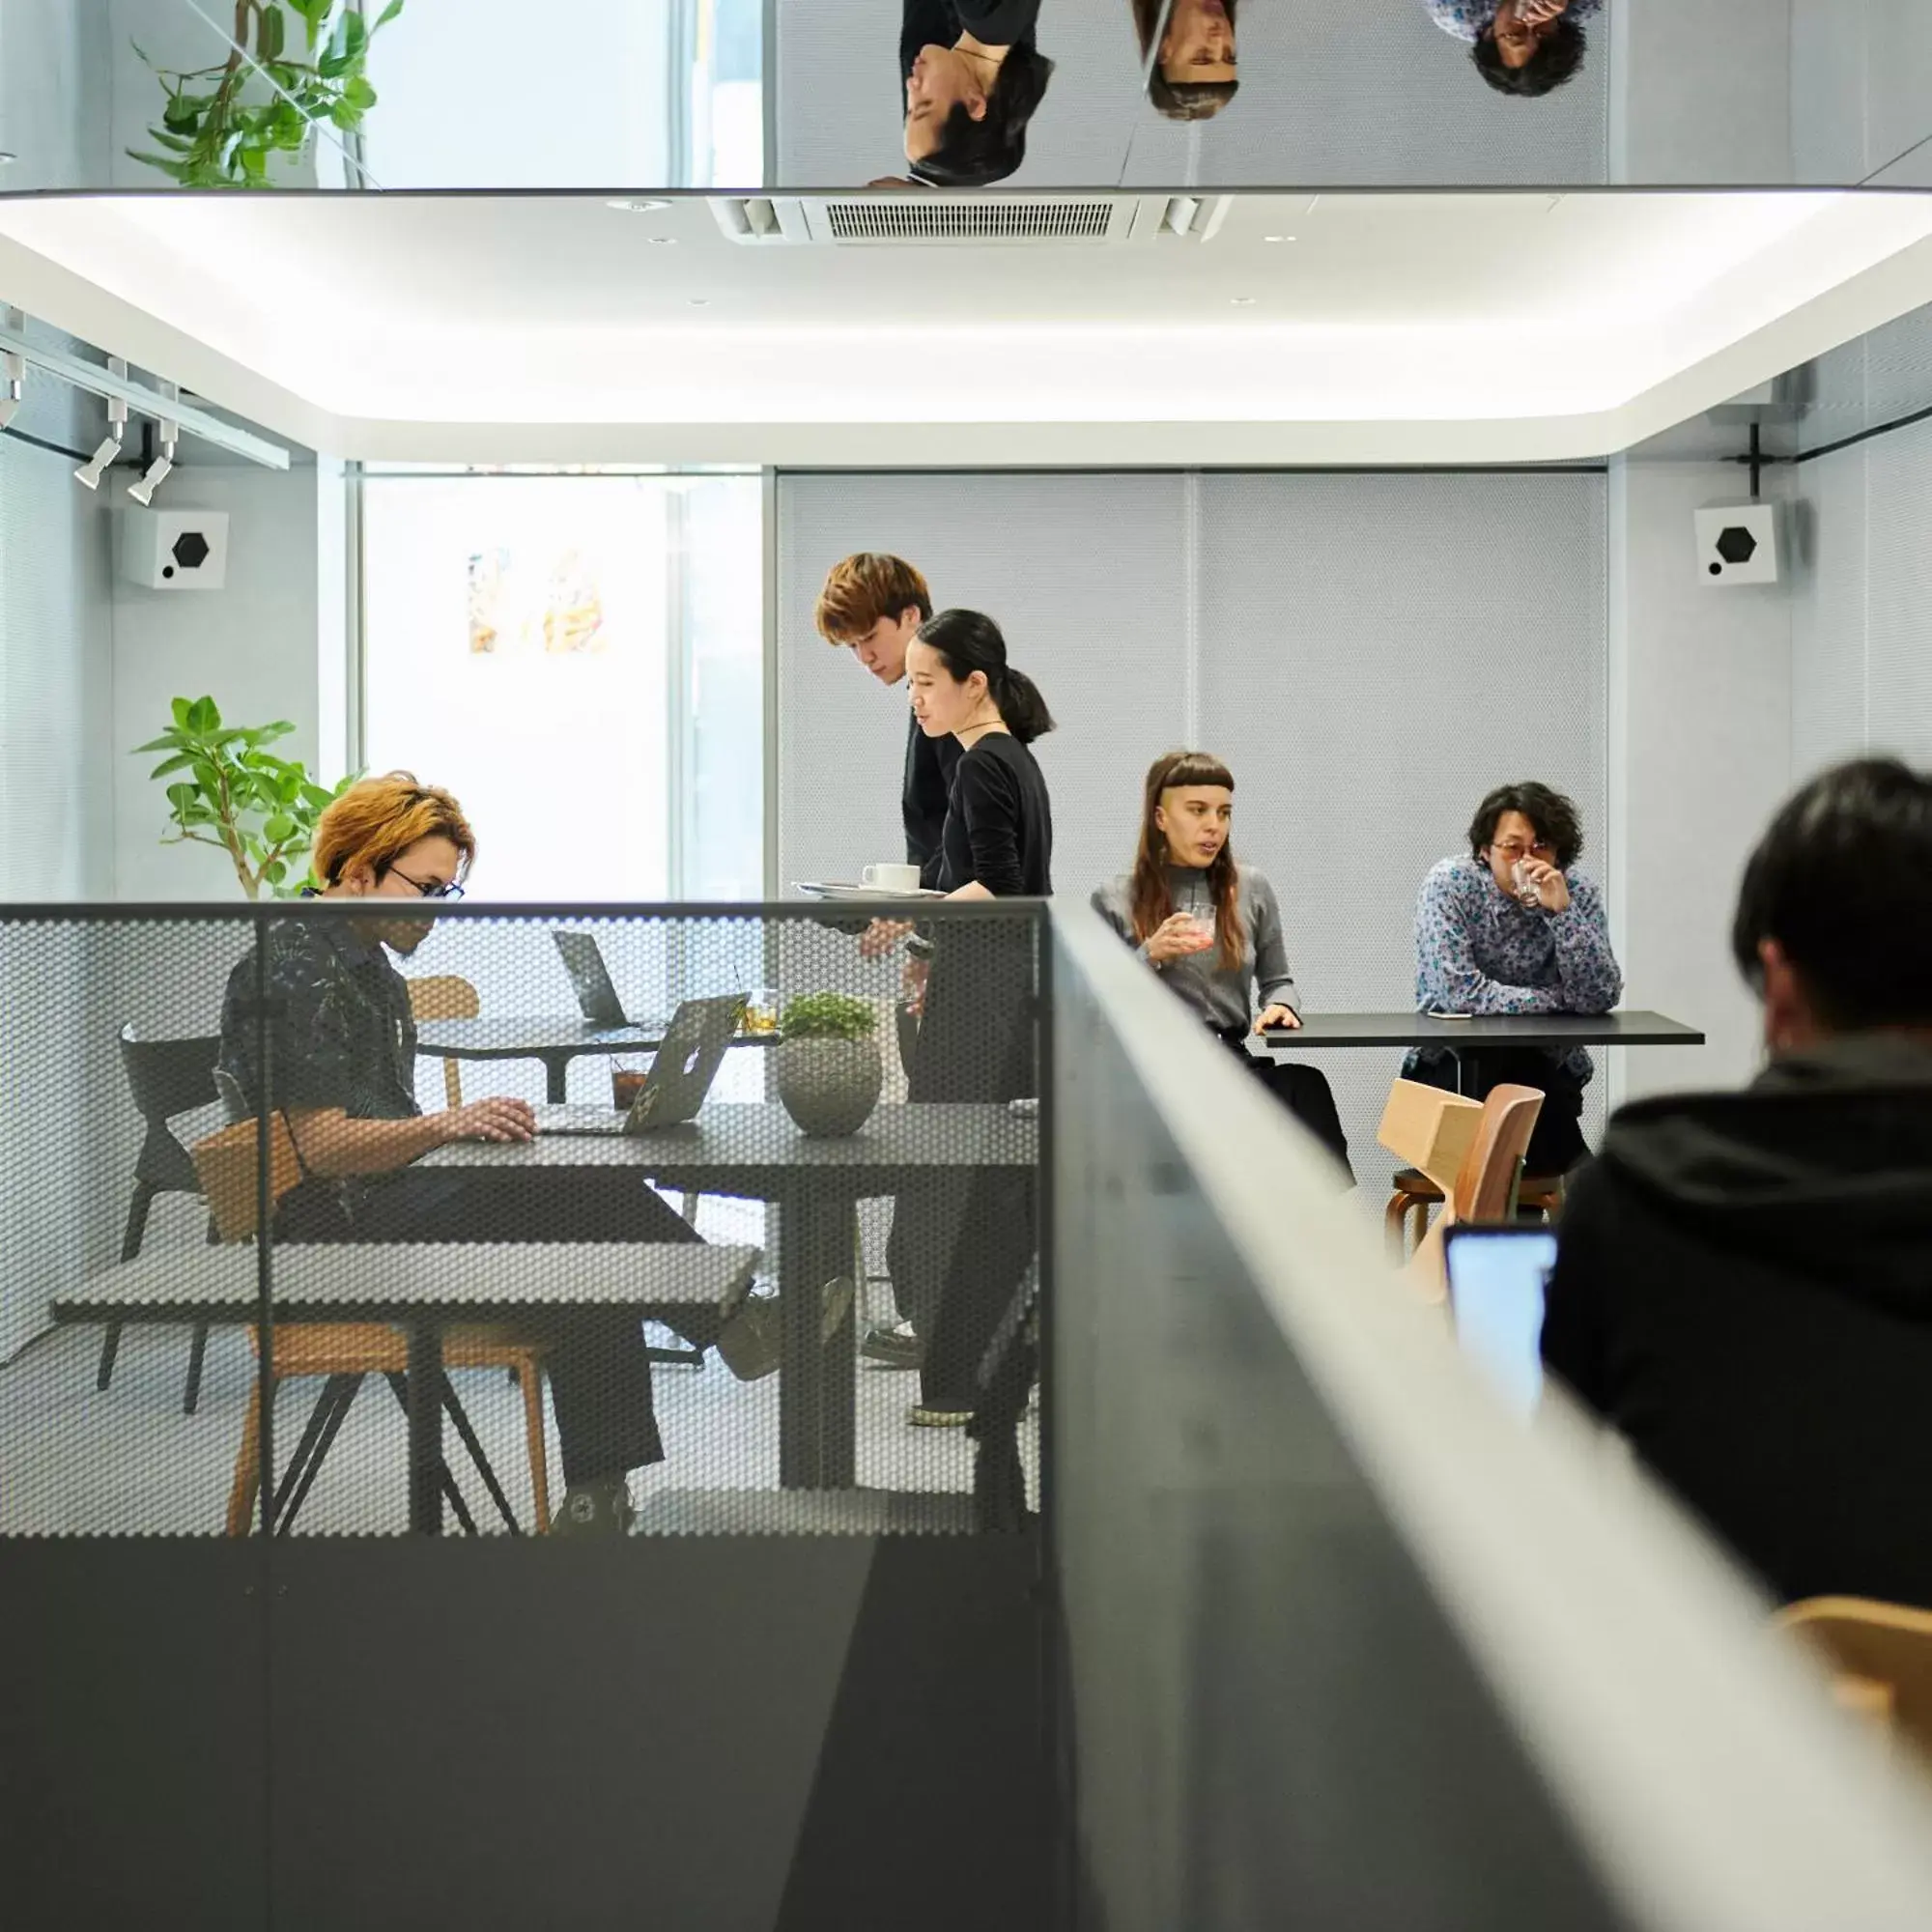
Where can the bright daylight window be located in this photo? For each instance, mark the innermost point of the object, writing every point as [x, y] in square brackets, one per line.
[580, 659]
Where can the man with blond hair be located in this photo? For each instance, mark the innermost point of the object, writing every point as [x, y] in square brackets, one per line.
[875, 604]
[341, 1049]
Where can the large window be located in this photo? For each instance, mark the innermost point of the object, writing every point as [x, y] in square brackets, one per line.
[580, 659]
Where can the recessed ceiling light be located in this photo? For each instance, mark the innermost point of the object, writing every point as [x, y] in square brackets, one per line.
[1242, 301]
[634, 206]
[698, 302]
[5, 157]
[662, 240]
[1277, 238]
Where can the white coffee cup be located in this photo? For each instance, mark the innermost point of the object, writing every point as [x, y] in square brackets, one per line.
[891, 878]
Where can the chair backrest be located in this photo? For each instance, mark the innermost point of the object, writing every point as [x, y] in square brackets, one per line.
[169, 1076]
[443, 996]
[1484, 1186]
[1881, 1655]
[227, 1163]
[1486, 1183]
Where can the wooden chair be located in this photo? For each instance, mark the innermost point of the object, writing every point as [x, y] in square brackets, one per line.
[165, 1077]
[1415, 1194]
[1880, 1656]
[1484, 1184]
[343, 1352]
[446, 996]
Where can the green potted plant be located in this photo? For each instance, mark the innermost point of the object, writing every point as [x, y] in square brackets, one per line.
[221, 126]
[230, 792]
[829, 1070]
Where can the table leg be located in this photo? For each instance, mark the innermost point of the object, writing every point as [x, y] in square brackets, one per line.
[817, 1376]
[557, 1077]
[425, 1429]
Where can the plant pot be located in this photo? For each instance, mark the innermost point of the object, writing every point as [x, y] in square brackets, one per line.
[830, 1086]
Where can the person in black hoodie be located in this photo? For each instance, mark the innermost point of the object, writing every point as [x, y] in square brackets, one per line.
[1743, 1281]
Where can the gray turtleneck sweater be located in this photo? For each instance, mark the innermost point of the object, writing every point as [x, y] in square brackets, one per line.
[1220, 997]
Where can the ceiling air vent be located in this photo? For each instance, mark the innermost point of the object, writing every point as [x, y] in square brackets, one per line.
[899, 217]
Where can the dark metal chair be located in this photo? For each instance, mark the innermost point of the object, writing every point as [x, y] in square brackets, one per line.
[166, 1077]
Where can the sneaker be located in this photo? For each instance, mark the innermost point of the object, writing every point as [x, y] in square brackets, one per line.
[892, 1348]
[939, 1415]
[602, 1508]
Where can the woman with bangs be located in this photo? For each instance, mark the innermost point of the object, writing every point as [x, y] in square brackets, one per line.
[1211, 929]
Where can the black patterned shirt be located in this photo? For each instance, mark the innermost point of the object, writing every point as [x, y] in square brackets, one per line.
[338, 1026]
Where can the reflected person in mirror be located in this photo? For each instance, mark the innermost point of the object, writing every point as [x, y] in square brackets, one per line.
[972, 80]
[1211, 929]
[1191, 75]
[1525, 47]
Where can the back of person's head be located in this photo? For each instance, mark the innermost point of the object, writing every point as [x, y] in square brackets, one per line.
[1556, 59]
[1842, 883]
[377, 820]
[864, 588]
[971, 153]
[969, 641]
[1555, 817]
[1178, 99]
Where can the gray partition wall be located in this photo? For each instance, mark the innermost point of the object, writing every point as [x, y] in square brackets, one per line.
[1371, 653]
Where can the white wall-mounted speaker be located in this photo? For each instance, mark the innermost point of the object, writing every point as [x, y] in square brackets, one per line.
[172, 550]
[1737, 543]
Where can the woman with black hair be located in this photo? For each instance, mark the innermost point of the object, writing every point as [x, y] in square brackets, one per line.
[1191, 75]
[973, 79]
[962, 1244]
[1524, 47]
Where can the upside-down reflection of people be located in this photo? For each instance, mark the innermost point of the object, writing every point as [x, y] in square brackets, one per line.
[1191, 75]
[1524, 47]
[972, 80]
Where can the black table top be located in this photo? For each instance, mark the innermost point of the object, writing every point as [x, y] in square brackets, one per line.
[341, 1281]
[754, 1148]
[1553, 1030]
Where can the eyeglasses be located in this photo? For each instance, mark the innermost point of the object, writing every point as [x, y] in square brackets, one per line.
[437, 889]
[1512, 848]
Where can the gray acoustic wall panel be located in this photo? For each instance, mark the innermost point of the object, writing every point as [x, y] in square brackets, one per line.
[1828, 612]
[1350, 643]
[1898, 608]
[1315, 77]
[1370, 668]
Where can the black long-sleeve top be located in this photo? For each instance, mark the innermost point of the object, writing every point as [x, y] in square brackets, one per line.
[939, 23]
[929, 765]
[999, 832]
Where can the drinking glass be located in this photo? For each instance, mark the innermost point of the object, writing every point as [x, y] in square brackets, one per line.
[761, 1010]
[1525, 887]
[628, 1076]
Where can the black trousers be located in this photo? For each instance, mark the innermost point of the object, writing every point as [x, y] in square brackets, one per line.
[962, 1240]
[600, 1376]
[1557, 1143]
[1304, 1091]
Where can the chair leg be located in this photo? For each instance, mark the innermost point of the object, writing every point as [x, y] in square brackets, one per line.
[399, 1386]
[532, 1378]
[1395, 1227]
[248, 1481]
[325, 1423]
[197, 1353]
[110, 1347]
[137, 1218]
[460, 1416]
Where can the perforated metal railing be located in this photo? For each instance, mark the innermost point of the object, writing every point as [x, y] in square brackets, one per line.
[788, 1286]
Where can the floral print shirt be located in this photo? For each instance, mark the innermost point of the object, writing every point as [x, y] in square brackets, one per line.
[1478, 952]
[1468, 20]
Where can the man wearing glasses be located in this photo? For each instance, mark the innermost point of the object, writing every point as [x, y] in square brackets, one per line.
[1509, 927]
[341, 1050]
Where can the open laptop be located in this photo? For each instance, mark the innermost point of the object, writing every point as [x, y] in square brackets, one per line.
[1497, 1275]
[682, 1071]
[590, 978]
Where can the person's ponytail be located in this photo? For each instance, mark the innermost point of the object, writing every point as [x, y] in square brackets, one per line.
[1022, 709]
[970, 640]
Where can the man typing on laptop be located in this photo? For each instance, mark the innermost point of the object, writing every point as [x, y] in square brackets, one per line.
[341, 1044]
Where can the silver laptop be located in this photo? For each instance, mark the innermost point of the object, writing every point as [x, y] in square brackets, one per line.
[682, 1070]
[1498, 1276]
[591, 980]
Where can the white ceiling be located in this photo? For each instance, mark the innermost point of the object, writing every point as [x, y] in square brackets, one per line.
[1390, 327]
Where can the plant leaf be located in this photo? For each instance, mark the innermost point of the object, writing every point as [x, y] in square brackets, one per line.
[181, 709]
[202, 715]
[270, 32]
[388, 15]
[176, 763]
